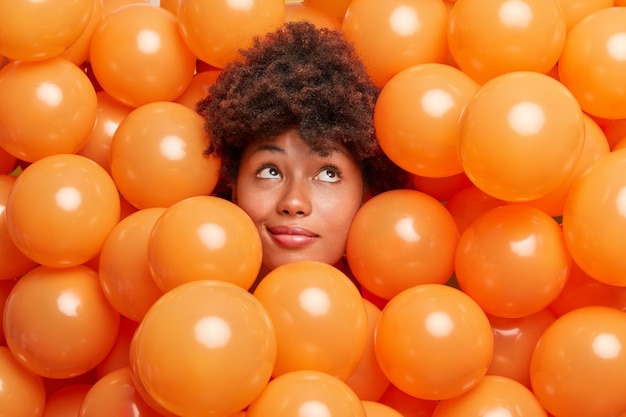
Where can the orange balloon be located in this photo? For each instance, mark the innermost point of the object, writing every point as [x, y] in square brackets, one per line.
[576, 10]
[216, 30]
[78, 51]
[393, 35]
[494, 395]
[579, 365]
[124, 269]
[205, 348]
[335, 8]
[488, 38]
[110, 5]
[46, 107]
[115, 395]
[66, 401]
[320, 319]
[157, 156]
[399, 239]
[306, 392]
[594, 223]
[118, 356]
[595, 146]
[521, 136]
[367, 380]
[202, 238]
[514, 341]
[433, 342]
[513, 261]
[593, 62]
[6, 285]
[13, 262]
[416, 118]
[61, 210]
[58, 323]
[443, 188]
[376, 409]
[7, 162]
[198, 88]
[469, 204]
[41, 29]
[154, 64]
[109, 114]
[22, 392]
[581, 290]
[406, 404]
[296, 11]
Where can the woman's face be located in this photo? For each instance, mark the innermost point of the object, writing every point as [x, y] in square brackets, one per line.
[301, 202]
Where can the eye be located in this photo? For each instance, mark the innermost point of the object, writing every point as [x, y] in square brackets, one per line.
[268, 172]
[329, 174]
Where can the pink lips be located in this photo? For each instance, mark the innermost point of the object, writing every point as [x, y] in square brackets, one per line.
[291, 237]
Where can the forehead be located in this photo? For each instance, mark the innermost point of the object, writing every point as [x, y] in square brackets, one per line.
[292, 142]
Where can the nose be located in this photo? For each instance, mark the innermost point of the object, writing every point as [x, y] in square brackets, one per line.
[295, 199]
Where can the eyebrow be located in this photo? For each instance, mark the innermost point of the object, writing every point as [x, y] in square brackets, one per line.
[271, 147]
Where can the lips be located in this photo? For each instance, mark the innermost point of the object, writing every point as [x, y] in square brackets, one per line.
[291, 237]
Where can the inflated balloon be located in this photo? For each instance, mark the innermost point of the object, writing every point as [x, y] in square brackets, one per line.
[78, 51]
[594, 147]
[61, 209]
[7, 162]
[576, 10]
[514, 341]
[442, 188]
[118, 356]
[6, 285]
[296, 11]
[376, 409]
[198, 88]
[66, 401]
[203, 238]
[22, 392]
[433, 342]
[593, 219]
[416, 118]
[399, 239]
[512, 261]
[335, 8]
[109, 114]
[157, 156]
[391, 36]
[46, 107]
[521, 136]
[579, 365]
[581, 290]
[309, 393]
[367, 380]
[406, 404]
[124, 269]
[320, 320]
[593, 62]
[468, 204]
[115, 395]
[13, 262]
[493, 396]
[206, 348]
[110, 5]
[216, 30]
[41, 29]
[58, 322]
[154, 64]
[494, 37]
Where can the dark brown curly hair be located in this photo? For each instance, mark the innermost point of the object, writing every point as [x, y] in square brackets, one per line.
[298, 77]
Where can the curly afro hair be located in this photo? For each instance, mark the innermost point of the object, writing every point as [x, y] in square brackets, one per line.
[298, 77]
